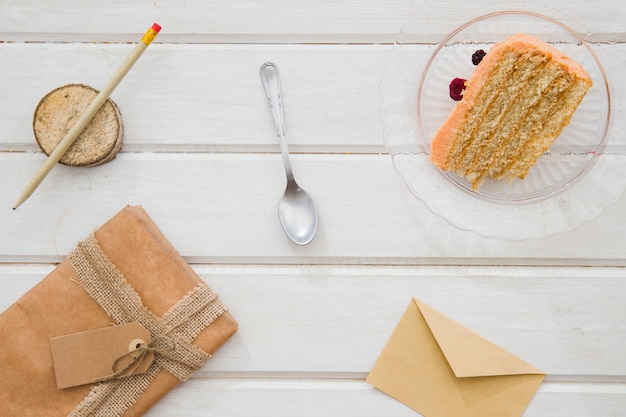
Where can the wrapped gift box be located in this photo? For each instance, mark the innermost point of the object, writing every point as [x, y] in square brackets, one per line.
[125, 272]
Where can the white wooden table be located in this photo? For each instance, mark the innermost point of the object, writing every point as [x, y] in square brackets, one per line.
[201, 156]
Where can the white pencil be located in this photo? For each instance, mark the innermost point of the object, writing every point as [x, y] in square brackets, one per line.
[86, 117]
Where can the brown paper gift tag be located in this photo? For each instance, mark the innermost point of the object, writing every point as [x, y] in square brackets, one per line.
[98, 355]
[59, 305]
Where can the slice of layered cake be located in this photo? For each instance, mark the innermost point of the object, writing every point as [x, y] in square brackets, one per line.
[517, 102]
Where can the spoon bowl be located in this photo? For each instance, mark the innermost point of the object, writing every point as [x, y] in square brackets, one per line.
[296, 209]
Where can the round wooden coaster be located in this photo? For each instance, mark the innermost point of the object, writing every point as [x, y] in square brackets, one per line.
[59, 110]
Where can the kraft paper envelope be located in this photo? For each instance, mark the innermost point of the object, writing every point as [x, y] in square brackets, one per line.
[441, 369]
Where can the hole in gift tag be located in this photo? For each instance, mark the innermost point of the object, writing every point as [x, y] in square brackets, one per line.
[133, 347]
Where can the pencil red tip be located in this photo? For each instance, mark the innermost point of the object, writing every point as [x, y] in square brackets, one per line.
[156, 27]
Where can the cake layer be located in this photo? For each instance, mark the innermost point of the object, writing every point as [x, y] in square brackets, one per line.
[502, 117]
[485, 114]
[529, 126]
[551, 128]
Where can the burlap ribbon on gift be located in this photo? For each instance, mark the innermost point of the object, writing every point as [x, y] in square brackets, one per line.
[179, 327]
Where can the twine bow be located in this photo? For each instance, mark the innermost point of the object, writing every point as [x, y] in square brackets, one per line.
[138, 355]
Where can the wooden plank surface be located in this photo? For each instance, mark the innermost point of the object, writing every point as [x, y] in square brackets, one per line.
[223, 208]
[277, 21]
[218, 148]
[332, 322]
[316, 341]
[200, 155]
[209, 98]
[270, 397]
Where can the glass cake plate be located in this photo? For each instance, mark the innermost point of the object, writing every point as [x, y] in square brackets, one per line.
[570, 184]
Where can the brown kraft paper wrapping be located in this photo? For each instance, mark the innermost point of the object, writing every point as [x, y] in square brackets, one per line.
[60, 305]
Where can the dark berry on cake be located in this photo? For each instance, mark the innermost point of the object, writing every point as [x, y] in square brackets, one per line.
[457, 87]
[478, 56]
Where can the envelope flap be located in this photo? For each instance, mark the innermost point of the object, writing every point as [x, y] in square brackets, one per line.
[468, 354]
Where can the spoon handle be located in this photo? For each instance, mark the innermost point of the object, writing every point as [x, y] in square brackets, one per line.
[271, 84]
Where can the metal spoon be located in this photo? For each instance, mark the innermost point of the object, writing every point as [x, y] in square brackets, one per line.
[296, 209]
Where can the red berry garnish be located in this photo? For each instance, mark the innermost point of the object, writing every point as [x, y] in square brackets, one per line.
[478, 56]
[457, 87]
